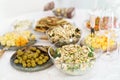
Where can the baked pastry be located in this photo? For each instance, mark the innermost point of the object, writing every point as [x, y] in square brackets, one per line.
[49, 22]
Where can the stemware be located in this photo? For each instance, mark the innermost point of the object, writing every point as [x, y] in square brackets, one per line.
[110, 32]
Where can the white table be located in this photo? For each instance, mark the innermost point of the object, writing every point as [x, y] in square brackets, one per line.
[103, 70]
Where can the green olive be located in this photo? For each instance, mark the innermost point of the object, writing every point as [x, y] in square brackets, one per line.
[24, 57]
[29, 56]
[32, 61]
[40, 62]
[33, 48]
[40, 57]
[16, 61]
[28, 64]
[23, 62]
[33, 64]
[24, 65]
[37, 51]
[44, 60]
[19, 57]
[46, 57]
[35, 55]
[37, 59]
[19, 52]
[20, 60]
[28, 61]
[28, 52]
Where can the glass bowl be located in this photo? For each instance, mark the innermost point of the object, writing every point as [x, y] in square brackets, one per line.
[62, 35]
[101, 42]
[69, 64]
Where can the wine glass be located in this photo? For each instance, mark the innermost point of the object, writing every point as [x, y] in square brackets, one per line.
[108, 19]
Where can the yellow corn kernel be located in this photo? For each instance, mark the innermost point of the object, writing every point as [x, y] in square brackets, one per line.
[33, 37]
[104, 47]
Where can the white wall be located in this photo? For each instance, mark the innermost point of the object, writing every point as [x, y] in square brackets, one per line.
[10, 8]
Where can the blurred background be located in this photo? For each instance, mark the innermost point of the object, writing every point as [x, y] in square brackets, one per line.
[13, 8]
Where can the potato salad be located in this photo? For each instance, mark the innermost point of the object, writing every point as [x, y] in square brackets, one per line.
[74, 58]
[65, 32]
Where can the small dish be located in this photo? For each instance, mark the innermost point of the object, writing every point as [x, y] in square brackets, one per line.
[22, 24]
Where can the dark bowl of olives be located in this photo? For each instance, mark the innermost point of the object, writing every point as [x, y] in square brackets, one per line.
[31, 59]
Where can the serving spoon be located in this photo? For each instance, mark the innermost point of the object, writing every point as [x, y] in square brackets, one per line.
[2, 51]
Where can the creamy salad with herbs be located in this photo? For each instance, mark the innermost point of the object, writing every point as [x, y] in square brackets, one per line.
[65, 32]
[73, 57]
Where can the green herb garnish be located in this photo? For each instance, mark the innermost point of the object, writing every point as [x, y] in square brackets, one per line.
[91, 48]
[77, 36]
[73, 35]
[77, 30]
[57, 54]
[90, 54]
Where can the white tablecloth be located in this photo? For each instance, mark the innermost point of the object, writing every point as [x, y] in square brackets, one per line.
[103, 69]
[12, 8]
